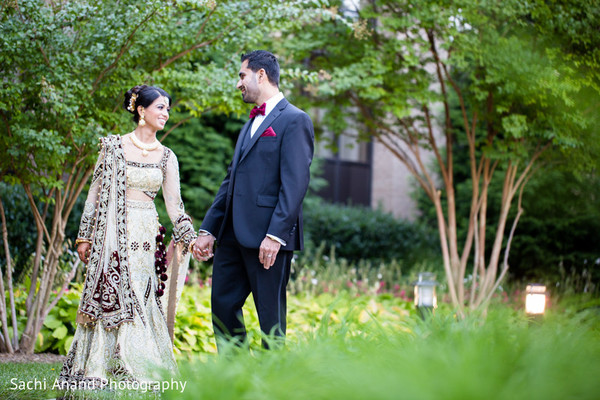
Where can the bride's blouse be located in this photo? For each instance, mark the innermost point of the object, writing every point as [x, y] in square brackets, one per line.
[145, 175]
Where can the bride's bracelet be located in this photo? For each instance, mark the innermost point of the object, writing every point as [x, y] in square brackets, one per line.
[79, 241]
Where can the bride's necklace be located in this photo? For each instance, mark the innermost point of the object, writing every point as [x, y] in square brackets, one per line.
[143, 146]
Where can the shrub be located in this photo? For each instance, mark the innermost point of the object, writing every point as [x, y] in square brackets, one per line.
[315, 272]
[59, 326]
[360, 233]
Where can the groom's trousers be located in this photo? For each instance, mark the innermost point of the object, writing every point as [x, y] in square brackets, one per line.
[237, 272]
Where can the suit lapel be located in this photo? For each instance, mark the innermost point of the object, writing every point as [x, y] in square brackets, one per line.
[263, 126]
[238, 147]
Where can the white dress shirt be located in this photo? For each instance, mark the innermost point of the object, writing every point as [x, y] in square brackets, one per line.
[269, 106]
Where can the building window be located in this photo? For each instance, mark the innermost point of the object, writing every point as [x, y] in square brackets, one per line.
[347, 168]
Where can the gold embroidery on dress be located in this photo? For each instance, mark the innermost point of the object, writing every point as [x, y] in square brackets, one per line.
[132, 341]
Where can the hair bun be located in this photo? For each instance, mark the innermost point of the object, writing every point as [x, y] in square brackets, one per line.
[131, 97]
[138, 88]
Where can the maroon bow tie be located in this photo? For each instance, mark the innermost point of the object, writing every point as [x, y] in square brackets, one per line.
[258, 110]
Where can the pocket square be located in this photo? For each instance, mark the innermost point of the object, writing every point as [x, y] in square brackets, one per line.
[268, 132]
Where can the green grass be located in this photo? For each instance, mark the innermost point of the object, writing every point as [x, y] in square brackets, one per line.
[505, 357]
[12, 375]
[375, 348]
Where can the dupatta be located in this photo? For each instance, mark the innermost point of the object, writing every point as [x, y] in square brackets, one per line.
[107, 294]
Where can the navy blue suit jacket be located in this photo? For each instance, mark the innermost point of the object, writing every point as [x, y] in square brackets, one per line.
[266, 181]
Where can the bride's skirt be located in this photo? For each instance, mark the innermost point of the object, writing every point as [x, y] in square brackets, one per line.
[140, 350]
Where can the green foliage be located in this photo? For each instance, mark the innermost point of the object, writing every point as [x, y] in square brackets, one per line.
[67, 65]
[360, 233]
[59, 326]
[522, 79]
[193, 331]
[503, 357]
[19, 227]
[315, 273]
[57, 332]
[204, 148]
[347, 347]
[558, 232]
[306, 315]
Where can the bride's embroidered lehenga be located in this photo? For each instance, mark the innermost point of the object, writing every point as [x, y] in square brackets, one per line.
[122, 329]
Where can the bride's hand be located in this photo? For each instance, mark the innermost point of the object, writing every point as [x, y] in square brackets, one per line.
[84, 252]
[202, 249]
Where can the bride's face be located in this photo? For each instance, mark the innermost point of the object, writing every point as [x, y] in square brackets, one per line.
[156, 114]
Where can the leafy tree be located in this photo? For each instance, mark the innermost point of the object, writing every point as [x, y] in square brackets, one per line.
[204, 148]
[65, 66]
[525, 77]
[556, 233]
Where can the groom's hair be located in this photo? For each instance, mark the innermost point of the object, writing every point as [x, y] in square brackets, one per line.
[258, 59]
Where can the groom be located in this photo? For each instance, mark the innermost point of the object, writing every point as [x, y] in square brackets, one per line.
[256, 217]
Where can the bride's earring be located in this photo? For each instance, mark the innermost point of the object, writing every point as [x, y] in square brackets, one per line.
[141, 121]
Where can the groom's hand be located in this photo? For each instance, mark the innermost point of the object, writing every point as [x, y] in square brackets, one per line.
[203, 247]
[268, 252]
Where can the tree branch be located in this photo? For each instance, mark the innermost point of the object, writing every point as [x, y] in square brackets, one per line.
[210, 14]
[199, 45]
[124, 48]
[434, 146]
[62, 290]
[175, 126]
[36, 213]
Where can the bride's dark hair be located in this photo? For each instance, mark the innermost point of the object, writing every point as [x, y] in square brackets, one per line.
[144, 96]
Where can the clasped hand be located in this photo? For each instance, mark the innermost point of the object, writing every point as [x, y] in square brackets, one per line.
[202, 250]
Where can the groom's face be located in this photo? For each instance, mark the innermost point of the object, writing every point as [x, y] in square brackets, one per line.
[248, 84]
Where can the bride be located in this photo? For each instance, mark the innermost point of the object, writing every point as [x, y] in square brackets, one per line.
[122, 329]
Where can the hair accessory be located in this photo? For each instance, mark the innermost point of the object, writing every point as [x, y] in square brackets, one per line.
[132, 102]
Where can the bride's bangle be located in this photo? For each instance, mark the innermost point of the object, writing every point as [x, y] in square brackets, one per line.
[79, 241]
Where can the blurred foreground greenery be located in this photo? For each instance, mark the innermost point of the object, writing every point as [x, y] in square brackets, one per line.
[348, 346]
[504, 356]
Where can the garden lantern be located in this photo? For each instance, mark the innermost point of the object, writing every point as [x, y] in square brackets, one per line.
[535, 299]
[425, 298]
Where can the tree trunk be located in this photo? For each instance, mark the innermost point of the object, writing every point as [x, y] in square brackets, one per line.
[39, 298]
[9, 279]
[6, 342]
